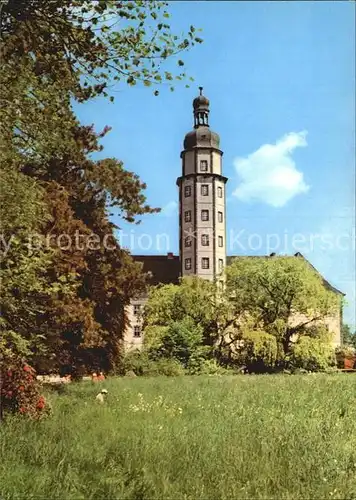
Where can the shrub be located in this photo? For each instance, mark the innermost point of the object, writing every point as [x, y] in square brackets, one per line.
[312, 354]
[20, 390]
[345, 352]
[201, 363]
[256, 351]
[142, 365]
[136, 361]
[180, 340]
[154, 335]
[164, 366]
[210, 367]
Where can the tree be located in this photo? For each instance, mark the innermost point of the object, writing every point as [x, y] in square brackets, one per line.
[186, 321]
[194, 298]
[283, 296]
[59, 50]
[348, 338]
[257, 351]
[26, 287]
[52, 53]
[179, 340]
[312, 354]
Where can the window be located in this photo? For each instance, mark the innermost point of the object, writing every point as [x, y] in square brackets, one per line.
[204, 189]
[137, 331]
[220, 217]
[205, 263]
[220, 192]
[203, 165]
[221, 265]
[187, 191]
[137, 309]
[188, 263]
[221, 241]
[188, 216]
[205, 215]
[188, 241]
[205, 240]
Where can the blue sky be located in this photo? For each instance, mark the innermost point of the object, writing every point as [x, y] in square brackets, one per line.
[280, 77]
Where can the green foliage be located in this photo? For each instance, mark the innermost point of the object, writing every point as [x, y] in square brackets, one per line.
[26, 287]
[179, 340]
[153, 336]
[256, 351]
[199, 365]
[283, 295]
[194, 298]
[136, 361]
[348, 338]
[312, 354]
[319, 331]
[142, 364]
[165, 366]
[67, 306]
[182, 321]
[267, 305]
[76, 49]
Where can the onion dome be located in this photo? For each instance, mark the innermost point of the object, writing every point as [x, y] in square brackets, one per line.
[201, 136]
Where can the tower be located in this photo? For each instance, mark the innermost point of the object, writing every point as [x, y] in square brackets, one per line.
[202, 226]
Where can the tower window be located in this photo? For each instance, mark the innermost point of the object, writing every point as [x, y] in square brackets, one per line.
[221, 241]
[137, 309]
[204, 189]
[220, 217]
[188, 264]
[137, 331]
[188, 216]
[188, 241]
[203, 165]
[220, 192]
[205, 215]
[187, 191]
[221, 265]
[205, 263]
[205, 240]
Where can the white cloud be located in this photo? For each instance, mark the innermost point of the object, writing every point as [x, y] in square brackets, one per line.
[270, 174]
[171, 208]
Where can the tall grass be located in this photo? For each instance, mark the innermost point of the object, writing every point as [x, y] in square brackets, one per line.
[241, 437]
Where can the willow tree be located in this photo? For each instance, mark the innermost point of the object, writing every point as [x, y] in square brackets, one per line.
[283, 296]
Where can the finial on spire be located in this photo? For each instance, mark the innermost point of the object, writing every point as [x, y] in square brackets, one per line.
[201, 110]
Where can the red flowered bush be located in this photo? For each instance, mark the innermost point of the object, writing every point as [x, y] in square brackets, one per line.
[20, 390]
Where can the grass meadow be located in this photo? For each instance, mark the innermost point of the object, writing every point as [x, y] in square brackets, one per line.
[238, 437]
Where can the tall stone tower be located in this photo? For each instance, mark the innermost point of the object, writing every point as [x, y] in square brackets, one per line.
[202, 225]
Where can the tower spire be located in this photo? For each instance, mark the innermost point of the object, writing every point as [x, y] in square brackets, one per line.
[202, 232]
[201, 110]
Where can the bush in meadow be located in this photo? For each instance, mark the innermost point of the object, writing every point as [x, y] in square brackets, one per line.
[180, 340]
[312, 354]
[142, 364]
[165, 366]
[256, 351]
[20, 390]
[203, 366]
